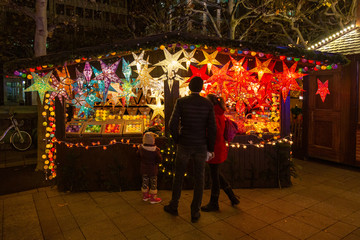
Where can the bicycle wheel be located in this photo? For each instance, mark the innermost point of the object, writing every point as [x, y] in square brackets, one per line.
[19, 143]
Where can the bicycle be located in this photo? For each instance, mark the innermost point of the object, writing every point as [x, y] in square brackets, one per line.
[19, 139]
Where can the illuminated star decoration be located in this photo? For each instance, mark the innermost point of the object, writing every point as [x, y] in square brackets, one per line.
[219, 78]
[127, 85]
[138, 60]
[189, 58]
[170, 66]
[126, 69]
[108, 76]
[87, 71]
[261, 68]
[157, 108]
[79, 102]
[323, 89]
[114, 95]
[41, 85]
[80, 81]
[210, 60]
[60, 91]
[287, 80]
[65, 80]
[144, 77]
[198, 73]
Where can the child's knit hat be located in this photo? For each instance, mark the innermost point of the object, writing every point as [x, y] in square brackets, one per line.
[149, 138]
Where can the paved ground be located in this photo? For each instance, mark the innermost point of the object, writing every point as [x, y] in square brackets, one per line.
[324, 203]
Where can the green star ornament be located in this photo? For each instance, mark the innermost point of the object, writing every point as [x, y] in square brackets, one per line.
[41, 85]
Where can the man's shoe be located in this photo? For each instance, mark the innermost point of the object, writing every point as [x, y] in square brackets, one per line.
[195, 218]
[169, 209]
[210, 207]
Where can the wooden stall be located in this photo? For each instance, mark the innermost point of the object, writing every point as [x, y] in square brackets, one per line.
[95, 119]
[332, 130]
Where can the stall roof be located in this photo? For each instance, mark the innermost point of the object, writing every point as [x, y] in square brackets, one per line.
[346, 44]
[150, 42]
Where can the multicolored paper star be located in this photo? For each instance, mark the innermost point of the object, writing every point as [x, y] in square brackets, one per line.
[87, 71]
[41, 85]
[108, 75]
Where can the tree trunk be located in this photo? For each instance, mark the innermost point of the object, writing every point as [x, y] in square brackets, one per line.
[41, 34]
[232, 29]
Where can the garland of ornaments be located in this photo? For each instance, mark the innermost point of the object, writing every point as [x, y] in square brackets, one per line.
[42, 85]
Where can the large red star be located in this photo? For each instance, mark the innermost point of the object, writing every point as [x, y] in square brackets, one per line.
[219, 77]
[323, 89]
[198, 73]
[287, 80]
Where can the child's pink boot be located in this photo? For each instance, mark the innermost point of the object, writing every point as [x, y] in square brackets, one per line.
[146, 195]
[153, 197]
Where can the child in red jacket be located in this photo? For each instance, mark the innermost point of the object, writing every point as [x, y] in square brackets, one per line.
[150, 158]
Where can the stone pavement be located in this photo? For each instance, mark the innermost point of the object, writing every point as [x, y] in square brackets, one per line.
[324, 203]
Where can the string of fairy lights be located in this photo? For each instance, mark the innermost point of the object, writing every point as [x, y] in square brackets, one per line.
[49, 155]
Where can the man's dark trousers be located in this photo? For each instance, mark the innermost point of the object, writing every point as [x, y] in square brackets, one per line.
[184, 153]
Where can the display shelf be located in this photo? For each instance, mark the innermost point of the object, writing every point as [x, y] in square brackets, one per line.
[113, 127]
[74, 128]
[93, 128]
[133, 127]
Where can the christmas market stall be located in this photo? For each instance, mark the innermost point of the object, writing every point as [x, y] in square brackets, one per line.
[97, 102]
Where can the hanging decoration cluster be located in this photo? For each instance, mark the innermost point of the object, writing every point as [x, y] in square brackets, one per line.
[251, 88]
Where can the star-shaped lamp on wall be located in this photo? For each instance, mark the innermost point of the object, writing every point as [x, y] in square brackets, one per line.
[323, 89]
[41, 85]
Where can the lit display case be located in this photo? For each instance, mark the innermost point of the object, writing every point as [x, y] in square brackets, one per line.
[92, 128]
[133, 127]
[74, 128]
[113, 127]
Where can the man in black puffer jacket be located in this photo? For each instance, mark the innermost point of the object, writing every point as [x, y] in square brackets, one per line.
[195, 138]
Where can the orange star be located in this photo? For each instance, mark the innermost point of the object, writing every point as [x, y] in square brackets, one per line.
[261, 68]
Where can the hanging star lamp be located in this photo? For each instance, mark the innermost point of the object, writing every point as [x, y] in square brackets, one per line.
[87, 71]
[188, 58]
[170, 66]
[323, 89]
[157, 108]
[219, 77]
[210, 59]
[138, 60]
[198, 73]
[261, 68]
[144, 78]
[107, 76]
[60, 91]
[41, 85]
[65, 79]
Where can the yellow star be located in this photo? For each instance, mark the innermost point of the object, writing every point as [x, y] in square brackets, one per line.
[157, 108]
[261, 68]
[210, 60]
[144, 77]
[41, 85]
